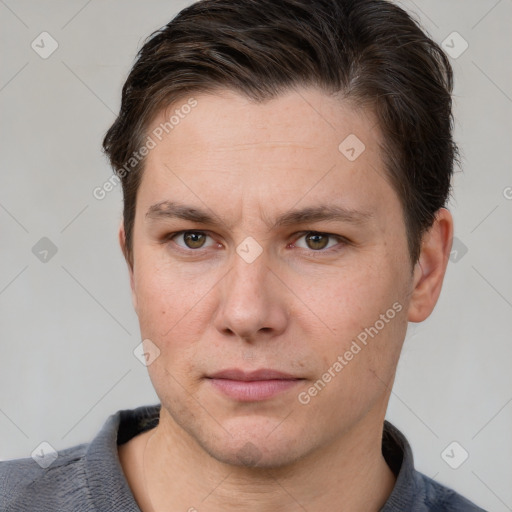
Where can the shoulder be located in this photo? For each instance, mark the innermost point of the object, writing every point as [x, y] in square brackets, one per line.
[25, 485]
[414, 491]
[83, 478]
[439, 498]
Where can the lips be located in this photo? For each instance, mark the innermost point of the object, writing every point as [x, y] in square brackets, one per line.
[252, 386]
[264, 374]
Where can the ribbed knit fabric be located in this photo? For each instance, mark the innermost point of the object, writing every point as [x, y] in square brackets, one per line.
[89, 477]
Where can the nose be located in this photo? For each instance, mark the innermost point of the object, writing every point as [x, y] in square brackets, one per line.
[252, 301]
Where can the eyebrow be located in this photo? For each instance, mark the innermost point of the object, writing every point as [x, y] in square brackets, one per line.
[311, 214]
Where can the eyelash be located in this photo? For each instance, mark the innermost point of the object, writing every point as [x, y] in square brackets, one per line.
[341, 241]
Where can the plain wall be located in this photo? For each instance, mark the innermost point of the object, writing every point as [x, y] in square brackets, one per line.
[68, 329]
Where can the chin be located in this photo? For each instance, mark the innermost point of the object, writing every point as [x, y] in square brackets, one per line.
[265, 439]
[251, 455]
[255, 444]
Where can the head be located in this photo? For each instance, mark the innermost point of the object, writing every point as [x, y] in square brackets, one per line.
[248, 125]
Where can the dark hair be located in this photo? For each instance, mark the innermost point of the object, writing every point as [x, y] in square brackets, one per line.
[371, 52]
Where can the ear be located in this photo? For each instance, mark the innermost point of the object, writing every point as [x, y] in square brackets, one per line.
[430, 269]
[122, 244]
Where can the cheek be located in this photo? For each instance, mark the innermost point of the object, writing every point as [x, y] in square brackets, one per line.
[342, 301]
[358, 366]
[167, 300]
[364, 304]
[155, 302]
[174, 311]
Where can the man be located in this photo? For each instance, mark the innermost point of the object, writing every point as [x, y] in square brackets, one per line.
[285, 168]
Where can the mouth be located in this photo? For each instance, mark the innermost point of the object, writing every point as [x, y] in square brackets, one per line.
[252, 386]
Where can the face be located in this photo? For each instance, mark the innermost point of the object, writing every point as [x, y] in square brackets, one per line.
[272, 273]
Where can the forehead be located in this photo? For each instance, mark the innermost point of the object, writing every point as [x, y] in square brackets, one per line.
[306, 143]
[226, 120]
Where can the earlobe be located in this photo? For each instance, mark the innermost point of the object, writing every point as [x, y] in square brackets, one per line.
[431, 267]
[122, 244]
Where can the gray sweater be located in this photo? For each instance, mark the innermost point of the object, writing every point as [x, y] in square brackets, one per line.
[89, 477]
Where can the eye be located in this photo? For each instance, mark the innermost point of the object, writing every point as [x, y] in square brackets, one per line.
[317, 241]
[191, 239]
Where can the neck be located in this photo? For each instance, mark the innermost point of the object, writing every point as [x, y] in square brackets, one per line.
[349, 474]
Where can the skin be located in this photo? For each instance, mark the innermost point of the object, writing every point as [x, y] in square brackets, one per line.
[295, 308]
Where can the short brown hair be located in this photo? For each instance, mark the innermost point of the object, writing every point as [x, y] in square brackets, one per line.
[370, 51]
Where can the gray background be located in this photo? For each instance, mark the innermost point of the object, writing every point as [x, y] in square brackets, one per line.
[68, 329]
